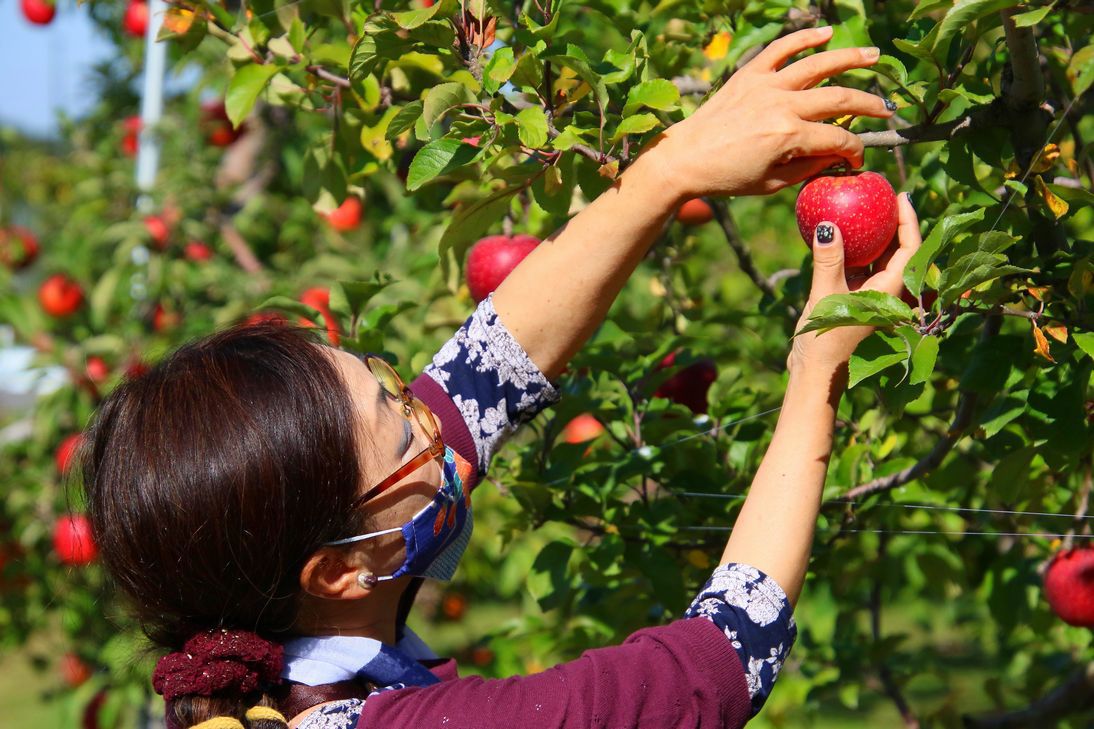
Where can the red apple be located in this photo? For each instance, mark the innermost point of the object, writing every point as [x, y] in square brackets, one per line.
[584, 427]
[60, 296]
[131, 138]
[135, 21]
[1069, 586]
[695, 212]
[929, 297]
[861, 204]
[157, 227]
[97, 370]
[90, 719]
[346, 216]
[265, 317]
[197, 251]
[319, 298]
[74, 672]
[492, 259]
[18, 248]
[482, 656]
[39, 12]
[72, 540]
[453, 606]
[689, 386]
[218, 128]
[136, 368]
[62, 457]
[162, 319]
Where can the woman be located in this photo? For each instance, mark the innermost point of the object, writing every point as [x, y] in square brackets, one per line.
[270, 505]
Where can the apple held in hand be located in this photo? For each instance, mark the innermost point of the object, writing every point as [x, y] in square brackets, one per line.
[60, 296]
[1069, 586]
[861, 204]
[72, 540]
[492, 259]
[18, 248]
[695, 212]
[39, 12]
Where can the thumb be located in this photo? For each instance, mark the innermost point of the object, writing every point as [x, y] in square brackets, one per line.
[828, 274]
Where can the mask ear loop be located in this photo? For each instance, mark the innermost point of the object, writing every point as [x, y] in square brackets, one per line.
[362, 537]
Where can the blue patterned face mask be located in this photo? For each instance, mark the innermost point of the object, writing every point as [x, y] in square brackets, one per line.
[436, 536]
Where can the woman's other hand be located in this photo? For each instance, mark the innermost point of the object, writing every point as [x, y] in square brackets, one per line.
[834, 347]
[762, 130]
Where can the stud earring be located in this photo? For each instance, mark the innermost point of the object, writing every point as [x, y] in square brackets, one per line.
[366, 580]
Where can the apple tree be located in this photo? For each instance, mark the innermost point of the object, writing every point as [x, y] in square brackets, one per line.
[362, 149]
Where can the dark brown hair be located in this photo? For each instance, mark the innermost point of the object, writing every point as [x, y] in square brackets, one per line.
[213, 477]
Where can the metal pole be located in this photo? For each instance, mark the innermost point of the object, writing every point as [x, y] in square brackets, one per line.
[155, 67]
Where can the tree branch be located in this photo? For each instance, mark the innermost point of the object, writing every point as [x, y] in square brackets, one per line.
[886, 675]
[982, 116]
[1075, 694]
[328, 76]
[744, 257]
[962, 418]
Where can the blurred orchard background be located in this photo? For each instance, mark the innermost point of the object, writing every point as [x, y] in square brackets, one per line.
[333, 161]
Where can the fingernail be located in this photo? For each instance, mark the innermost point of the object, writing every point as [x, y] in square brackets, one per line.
[826, 29]
[908, 197]
[871, 52]
[890, 105]
[825, 234]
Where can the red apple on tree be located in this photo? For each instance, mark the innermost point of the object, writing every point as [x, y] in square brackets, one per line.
[74, 672]
[157, 227]
[583, 428]
[39, 12]
[695, 212]
[18, 248]
[265, 317]
[197, 251]
[62, 457]
[218, 128]
[131, 138]
[60, 296]
[1069, 586]
[861, 204]
[689, 386]
[97, 370]
[72, 540]
[346, 216]
[135, 20]
[319, 298]
[492, 259]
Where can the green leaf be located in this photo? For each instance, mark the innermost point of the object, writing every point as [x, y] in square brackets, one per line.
[659, 93]
[581, 67]
[751, 37]
[940, 236]
[972, 270]
[1002, 411]
[549, 580]
[373, 48]
[543, 31]
[892, 68]
[637, 124]
[569, 136]
[1033, 17]
[872, 308]
[404, 120]
[436, 158]
[1085, 340]
[961, 15]
[410, 19]
[875, 354]
[498, 69]
[291, 306]
[924, 356]
[359, 293]
[532, 127]
[443, 97]
[471, 221]
[529, 70]
[244, 88]
[925, 7]
[298, 35]
[1080, 70]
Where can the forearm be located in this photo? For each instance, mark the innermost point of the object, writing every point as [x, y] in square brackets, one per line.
[774, 531]
[555, 299]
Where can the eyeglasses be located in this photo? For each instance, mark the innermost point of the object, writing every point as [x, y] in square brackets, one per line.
[393, 385]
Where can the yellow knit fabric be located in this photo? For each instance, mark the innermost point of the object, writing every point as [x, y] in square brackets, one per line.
[265, 713]
[219, 722]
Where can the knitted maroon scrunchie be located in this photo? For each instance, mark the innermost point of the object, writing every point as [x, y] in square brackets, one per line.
[218, 660]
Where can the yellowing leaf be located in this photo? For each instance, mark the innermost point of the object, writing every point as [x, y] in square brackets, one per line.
[718, 46]
[1057, 332]
[844, 121]
[1055, 204]
[699, 558]
[657, 288]
[1047, 158]
[1012, 171]
[1041, 344]
[609, 170]
[178, 20]
[1038, 292]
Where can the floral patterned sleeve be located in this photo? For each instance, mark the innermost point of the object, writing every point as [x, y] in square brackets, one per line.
[491, 380]
[756, 617]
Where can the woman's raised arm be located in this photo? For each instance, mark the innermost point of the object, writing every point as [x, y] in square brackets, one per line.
[757, 134]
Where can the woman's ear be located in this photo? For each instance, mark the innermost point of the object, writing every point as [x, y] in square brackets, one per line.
[331, 574]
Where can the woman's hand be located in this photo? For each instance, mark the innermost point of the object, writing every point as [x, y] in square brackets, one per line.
[833, 348]
[761, 132]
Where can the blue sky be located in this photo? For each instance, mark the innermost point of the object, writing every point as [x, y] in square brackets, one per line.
[42, 67]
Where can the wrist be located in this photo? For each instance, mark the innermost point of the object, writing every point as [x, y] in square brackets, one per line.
[657, 169]
[823, 379]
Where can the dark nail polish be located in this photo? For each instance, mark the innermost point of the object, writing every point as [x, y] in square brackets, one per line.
[908, 197]
[825, 234]
[890, 105]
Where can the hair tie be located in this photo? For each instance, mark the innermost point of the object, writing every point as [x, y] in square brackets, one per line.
[265, 713]
[219, 722]
[217, 661]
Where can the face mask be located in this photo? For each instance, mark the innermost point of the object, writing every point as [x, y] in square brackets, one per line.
[437, 535]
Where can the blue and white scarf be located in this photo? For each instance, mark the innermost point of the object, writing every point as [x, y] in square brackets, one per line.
[333, 658]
